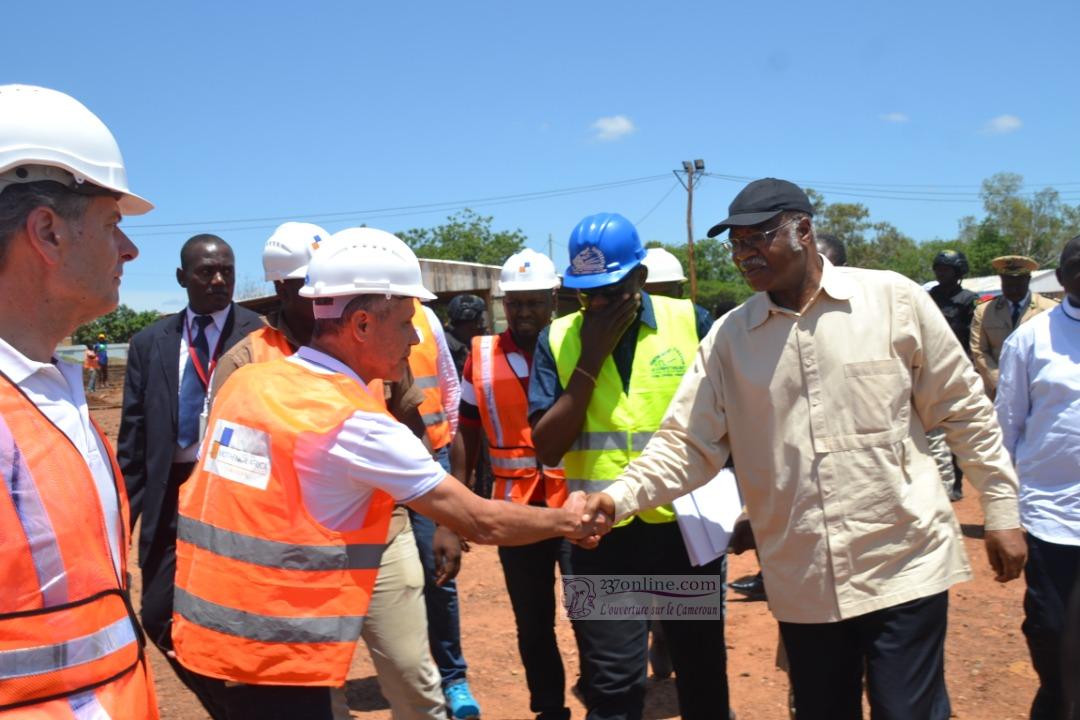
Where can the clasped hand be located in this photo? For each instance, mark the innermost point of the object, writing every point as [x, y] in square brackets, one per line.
[592, 515]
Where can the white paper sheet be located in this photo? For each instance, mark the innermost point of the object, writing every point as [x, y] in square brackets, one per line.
[707, 517]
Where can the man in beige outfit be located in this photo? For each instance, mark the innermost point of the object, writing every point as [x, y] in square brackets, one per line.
[822, 385]
[996, 319]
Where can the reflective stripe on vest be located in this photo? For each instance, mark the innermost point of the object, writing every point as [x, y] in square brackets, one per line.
[267, 628]
[618, 425]
[503, 406]
[270, 553]
[424, 362]
[68, 631]
[266, 595]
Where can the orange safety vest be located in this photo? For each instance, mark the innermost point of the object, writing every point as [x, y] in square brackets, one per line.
[266, 595]
[268, 344]
[66, 622]
[424, 362]
[504, 412]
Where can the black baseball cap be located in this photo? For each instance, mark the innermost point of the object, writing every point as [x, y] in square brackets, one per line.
[463, 308]
[763, 200]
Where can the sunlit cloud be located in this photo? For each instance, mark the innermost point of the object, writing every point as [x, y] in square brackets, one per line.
[1002, 125]
[895, 117]
[609, 129]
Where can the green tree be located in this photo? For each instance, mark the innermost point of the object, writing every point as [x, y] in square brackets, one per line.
[466, 237]
[118, 326]
[1036, 226]
[982, 242]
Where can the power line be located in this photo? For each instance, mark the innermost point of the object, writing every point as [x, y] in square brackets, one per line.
[397, 211]
[659, 202]
[909, 195]
[889, 186]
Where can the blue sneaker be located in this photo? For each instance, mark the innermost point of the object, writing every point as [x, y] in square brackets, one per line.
[463, 705]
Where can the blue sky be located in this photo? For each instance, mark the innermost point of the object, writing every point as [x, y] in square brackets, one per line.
[253, 111]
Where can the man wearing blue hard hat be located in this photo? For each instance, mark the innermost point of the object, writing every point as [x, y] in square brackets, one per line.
[601, 382]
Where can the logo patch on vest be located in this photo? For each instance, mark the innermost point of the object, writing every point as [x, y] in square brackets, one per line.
[240, 454]
[589, 261]
[669, 363]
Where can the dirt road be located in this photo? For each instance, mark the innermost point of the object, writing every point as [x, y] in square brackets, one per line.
[989, 675]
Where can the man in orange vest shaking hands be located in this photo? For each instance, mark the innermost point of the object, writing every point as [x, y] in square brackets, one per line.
[283, 523]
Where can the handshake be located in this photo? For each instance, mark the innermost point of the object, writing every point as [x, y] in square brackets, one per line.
[590, 517]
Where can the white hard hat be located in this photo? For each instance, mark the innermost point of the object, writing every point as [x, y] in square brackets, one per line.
[528, 270]
[663, 266]
[362, 261]
[47, 135]
[288, 251]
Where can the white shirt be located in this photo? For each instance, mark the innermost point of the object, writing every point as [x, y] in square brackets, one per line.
[56, 389]
[449, 385]
[370, 451]
[1038, 405]
[213, 336]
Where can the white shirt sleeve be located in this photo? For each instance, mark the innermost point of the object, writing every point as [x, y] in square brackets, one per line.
[339, 471]
[1013, 405]
[449, 384]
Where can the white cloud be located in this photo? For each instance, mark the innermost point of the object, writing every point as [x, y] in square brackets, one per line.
[616, 127]
[1002, 125]
[895, 117]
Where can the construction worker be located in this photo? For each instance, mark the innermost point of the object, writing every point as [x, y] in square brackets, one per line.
[666, 277]
[102, 350]
[395, 630]
[601, 381]
[283, 523]
[494, 409]
[434, 372]
[466, 318]
[71, 646]
[996, 319]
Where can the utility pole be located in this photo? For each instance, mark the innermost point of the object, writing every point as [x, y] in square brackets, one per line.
[694, 170]
[551, 248]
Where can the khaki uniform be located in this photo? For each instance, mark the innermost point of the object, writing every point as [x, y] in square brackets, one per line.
[989, 328]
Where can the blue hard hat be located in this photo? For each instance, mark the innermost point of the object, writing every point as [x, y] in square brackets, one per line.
[604, 248]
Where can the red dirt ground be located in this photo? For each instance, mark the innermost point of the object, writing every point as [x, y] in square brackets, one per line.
[987, 665]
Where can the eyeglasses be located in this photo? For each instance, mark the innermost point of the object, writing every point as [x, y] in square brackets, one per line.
[605, 291]
[757, 240]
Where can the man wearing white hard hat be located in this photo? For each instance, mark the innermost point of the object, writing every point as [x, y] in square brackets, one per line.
[666, 278]
[71, 647]
[494, 409]
[285, 518]
[395, 630]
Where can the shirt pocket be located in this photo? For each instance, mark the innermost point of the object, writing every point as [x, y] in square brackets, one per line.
[878, 394]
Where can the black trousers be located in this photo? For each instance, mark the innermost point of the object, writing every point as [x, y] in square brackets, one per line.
[1051, 574]
[613, 653]
[237, 701]
[158, 582]
[529, 571]
[901, 650]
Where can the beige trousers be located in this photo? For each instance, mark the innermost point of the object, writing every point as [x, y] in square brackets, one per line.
[395, 631]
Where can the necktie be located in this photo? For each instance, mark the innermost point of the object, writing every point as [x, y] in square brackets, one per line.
[1016, 314]
[192, 390]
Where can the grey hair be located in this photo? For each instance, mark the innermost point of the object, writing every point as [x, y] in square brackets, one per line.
[378, 305]
[19, 200]
[793, 217]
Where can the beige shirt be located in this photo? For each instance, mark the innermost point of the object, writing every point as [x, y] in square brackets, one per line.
[990, 326]
[825, 412]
